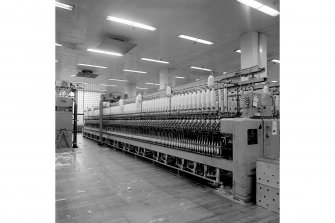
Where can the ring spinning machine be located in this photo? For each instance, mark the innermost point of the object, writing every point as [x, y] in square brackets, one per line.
[214, 129]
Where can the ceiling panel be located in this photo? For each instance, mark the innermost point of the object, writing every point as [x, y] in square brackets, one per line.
[219, 21]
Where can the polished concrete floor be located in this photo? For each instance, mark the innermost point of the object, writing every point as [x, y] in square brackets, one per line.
[98, 184]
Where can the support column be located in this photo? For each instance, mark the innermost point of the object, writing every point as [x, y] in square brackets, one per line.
[254, 51]
[166, 78]
[130, 90]
[173, 79]
[58, 72]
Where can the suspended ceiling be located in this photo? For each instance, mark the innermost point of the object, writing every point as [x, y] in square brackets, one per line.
[219, 21]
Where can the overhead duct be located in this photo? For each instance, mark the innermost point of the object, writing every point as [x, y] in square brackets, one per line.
[87, 74]
[116, 45]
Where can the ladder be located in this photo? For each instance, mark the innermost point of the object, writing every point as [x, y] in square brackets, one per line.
[62, 134]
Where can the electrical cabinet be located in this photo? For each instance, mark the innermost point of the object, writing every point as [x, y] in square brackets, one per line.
[247, 146]
[271, 138]
[256, 104]
[267, 187]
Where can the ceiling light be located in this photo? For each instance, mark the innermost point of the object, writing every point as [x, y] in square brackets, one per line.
[224, 72]
[197, 79]
[104, 52]
[64, 6]
[268, 10]
[274, 81]
[196, 39]
[72, 75]
[238, 51]
[131, 23]
[135, 71]
[200, 68]
[259, 6]
[58, 44]
[157, 61]
[110, 85]
[251, 3]
[275, 61]
[88, 65]
[117, 80]
[79, 83]
[180, 77]
[143, 88]
[153, 84]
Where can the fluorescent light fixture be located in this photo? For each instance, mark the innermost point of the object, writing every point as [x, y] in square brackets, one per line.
[251, 3]
[268, 10]
[274, 81]
[117, 80]
[109, 85]
[157, 61]
[143, 88]
[153, 84]
[89, 65]
[196, 39]
[131, 23]
[179, 77]
[105, 52]
[135, 71]
[238, 51]
[79, 83]
[72, 75]
[200, 68]
[224, 72]
[197, 79]
[58, 44]
[64, 6]
[259, 6]
[275, 61]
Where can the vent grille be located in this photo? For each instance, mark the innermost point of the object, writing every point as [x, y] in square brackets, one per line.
[87, 74]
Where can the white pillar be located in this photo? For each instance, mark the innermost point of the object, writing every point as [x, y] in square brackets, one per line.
[254, 51]
[130, 90]
[166, 78]
[173, 79]
[58, 72]
[263, 54]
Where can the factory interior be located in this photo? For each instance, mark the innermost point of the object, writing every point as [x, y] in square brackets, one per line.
[175, 111]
